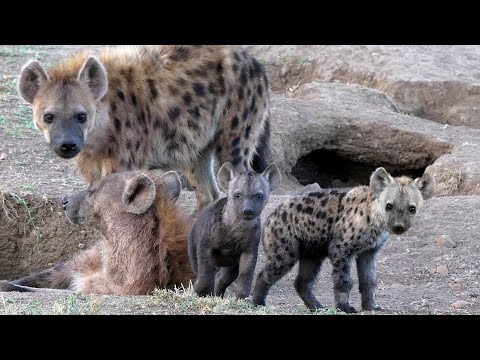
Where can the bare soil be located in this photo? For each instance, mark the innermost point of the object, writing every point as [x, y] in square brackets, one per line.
[433, 269]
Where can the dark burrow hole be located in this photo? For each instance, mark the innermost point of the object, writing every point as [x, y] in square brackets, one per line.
[329, 169]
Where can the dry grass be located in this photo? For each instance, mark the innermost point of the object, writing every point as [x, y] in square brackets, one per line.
[449, 182]
[181, 301]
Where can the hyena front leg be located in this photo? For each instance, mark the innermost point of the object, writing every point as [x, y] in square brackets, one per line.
[342, 281]
[224, 277]
[248, 260]
[202, 179]
[367, 279]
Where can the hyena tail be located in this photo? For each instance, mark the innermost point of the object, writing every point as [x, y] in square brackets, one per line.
[261, 159]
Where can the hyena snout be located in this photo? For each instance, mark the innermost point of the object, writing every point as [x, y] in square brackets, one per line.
[71, 206]
[249, 213]
[67, 148]
[66, 140]
[64, 202]
[399, 229]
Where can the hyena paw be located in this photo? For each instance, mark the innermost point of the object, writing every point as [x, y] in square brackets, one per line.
[347, 308]
[6, 286]
[372, 307]
[257, 301]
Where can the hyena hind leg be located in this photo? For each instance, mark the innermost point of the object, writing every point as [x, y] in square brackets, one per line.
[8, 286]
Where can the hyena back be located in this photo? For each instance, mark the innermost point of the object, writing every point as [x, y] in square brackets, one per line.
[340, 224]
[171, 107]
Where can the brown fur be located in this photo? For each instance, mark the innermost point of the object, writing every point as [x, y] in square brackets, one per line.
[136, 253]
[171, 107]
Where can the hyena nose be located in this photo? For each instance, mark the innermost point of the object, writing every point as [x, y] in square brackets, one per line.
[399, 229]
[248, 212]
[64, 202]
[68, 147]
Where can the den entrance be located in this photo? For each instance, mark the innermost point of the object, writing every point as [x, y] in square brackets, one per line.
[330, 169]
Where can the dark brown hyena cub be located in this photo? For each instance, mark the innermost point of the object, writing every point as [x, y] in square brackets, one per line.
[223, 243]
[340, 224]
[143, 243]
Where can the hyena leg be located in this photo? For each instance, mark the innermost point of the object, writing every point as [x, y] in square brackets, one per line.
[8, 286]
[57, 277]
[224, 277]
[367, 279]
[248, 260]
[202, 179]
[342, 282]
[281, 256]
[307, 272]
[205, 281]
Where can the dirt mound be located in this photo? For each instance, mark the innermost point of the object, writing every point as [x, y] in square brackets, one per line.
[439, 83]
[35, 234]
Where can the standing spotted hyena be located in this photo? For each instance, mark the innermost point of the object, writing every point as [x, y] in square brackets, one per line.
[171, 107]
[339, 224]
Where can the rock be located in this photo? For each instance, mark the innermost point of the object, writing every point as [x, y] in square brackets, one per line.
[440, 83]
[446, 241]
[457, 287]
[460, 304]
[442, 270]
[3, 156]
[309, 188]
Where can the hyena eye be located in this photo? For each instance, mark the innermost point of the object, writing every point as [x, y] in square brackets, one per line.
[389, 207]
[259, 196]
[412, 209]
[81, 118]
[48, 118]
[237, 195]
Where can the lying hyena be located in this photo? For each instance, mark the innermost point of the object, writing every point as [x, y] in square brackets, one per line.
[171, 107]
[225, 236]
[144, 238]
[340, 224]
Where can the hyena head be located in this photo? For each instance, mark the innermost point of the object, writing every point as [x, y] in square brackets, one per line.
[400, 199]
[247, 192]
[64, 104]
[119, 198]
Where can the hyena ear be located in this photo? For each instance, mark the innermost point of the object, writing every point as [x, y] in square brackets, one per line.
[226, 173]
[273, 176]
[379, 180]
[93, 74]
[426, 185]
[31, 78]
[139, 194]
[172, 183]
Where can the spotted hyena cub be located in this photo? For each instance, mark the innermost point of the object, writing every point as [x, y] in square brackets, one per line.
[340, 224]
[173, 107]
[225, 236]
